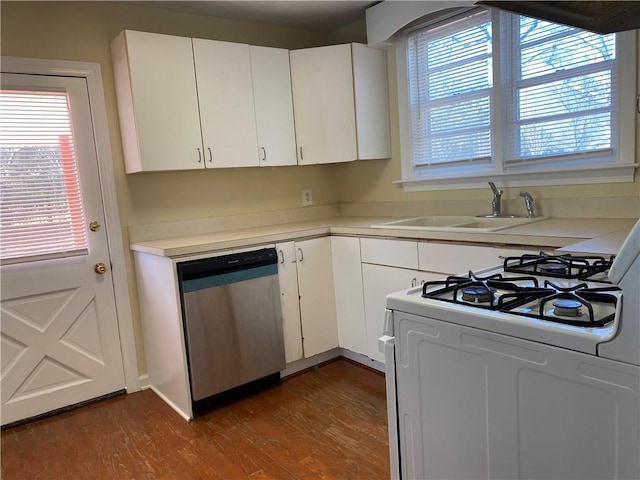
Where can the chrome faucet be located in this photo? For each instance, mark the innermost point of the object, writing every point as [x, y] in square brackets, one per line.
[528, 201]
[496, 204]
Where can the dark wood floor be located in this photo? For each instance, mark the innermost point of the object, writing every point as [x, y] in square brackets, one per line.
[329, 423]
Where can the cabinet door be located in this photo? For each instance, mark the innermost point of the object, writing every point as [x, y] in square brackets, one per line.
[225, 93]
[372, 104]
[273, 106]
[317, 298]
[347, 277]
[157, 101]
[288, 277]
[379, 281]
[323, 102]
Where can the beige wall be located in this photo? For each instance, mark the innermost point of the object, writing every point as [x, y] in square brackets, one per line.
[83, 30]
[372, 181]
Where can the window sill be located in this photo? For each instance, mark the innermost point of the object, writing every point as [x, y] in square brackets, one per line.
[609, 174]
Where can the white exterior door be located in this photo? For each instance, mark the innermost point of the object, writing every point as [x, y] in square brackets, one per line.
[59, 329]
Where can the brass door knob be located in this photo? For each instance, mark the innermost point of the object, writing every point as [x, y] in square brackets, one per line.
[100, 268]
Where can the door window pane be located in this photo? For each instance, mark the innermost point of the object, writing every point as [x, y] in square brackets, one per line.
[40, 201]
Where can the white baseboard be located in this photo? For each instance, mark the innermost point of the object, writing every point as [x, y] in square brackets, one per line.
[144, 382]
[305, 363]
[171, 404]
[362, 359]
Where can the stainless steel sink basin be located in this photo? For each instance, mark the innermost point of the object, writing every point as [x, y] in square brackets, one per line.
[459, 223]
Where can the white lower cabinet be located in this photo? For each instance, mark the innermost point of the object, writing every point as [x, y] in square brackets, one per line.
[347, 277]
[455, 259]
[288, 276]
[378, 282]
[394, 253]
[315, 326]
[392, 265]
[388, 266]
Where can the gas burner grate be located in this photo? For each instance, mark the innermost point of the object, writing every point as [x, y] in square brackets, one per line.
[569, 305]
[584, 296]
[580, 267]
[481, 291]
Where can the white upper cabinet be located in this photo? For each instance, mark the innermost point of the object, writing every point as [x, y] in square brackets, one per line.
[192, 103]
[372, 104]
[157, 100]
[324, 106]
[340, 103]
[273, 106]
[225, 93]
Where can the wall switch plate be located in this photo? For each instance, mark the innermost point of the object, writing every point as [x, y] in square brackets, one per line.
[307, 197]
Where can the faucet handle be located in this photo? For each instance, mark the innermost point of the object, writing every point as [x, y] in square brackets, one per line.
[528, 202]
[496, 192]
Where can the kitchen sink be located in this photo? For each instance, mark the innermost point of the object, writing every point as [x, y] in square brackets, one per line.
[433, 221]
[460, 223]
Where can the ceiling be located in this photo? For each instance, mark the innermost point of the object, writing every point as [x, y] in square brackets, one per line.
[318, 15]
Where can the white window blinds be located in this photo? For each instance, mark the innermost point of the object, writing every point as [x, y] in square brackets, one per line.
[562, 100]
[40, 204]
[495, 94]
[450, 79]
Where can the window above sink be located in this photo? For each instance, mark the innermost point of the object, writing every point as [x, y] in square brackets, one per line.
[541, 106]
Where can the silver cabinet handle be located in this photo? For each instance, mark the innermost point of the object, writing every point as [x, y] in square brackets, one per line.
[281, 255]
[414, 282]
[199, 155]
[301, 155]
[264, 154]
[301, 255]
[210, 155]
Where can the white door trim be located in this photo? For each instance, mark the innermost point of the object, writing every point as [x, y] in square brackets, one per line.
[93, 75]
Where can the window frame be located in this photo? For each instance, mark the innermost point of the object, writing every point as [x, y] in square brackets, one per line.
[590, 170]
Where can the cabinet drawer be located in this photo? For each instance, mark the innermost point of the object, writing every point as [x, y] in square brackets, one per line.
[459, 259]
[395, 253]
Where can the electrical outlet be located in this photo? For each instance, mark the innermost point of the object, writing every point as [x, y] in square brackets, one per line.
[307, 197]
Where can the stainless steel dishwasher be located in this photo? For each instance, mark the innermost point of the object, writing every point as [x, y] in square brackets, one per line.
[232, 321]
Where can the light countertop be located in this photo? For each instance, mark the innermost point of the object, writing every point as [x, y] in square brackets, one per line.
[597, 236]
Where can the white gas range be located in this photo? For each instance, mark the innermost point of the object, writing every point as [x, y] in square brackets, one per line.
[529, 370]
